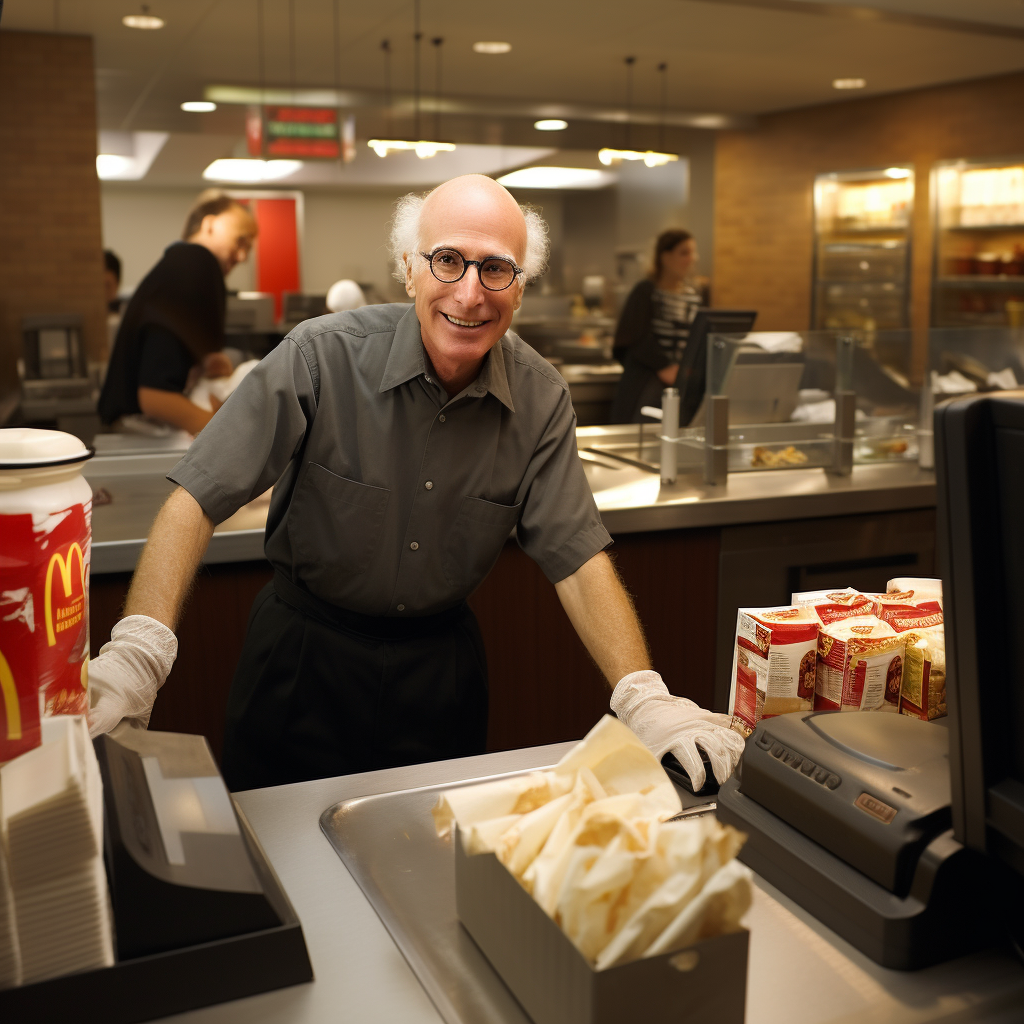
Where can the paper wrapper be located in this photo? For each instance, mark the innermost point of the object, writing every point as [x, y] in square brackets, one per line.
[590, 841]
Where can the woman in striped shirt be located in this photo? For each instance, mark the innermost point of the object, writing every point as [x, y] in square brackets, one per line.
[654, 326]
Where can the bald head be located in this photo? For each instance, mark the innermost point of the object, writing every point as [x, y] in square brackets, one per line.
[477, 205]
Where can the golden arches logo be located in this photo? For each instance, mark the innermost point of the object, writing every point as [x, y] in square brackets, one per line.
[12, 708]
[64, 565]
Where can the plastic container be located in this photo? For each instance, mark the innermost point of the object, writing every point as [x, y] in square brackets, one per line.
[45, 542]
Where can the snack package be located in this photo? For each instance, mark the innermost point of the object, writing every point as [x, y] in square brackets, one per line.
[774, 662]
[860, 666]
[920, 588]
[830, 606]
[916, 614]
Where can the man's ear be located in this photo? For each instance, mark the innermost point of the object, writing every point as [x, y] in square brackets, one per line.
[410, 287]
[519, 297]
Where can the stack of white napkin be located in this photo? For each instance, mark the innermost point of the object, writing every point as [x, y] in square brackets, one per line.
[590, 841]
[51, 829]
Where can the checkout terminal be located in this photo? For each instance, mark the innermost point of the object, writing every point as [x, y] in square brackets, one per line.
[906, 837]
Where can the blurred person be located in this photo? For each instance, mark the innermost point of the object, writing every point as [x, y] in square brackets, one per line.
[112, 281]
[652, 332]
[344, 295]
[172, 331]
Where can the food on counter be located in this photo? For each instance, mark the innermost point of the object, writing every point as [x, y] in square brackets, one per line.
[774, 663]
[590, 841]
[766, 458]
[860, 661]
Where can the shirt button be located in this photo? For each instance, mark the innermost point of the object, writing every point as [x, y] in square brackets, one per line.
[414, 546]
[441, 417]
[429, 485]
[401, 607]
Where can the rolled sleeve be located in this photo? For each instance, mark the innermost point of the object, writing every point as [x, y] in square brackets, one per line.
[246, 447]
[560, 527]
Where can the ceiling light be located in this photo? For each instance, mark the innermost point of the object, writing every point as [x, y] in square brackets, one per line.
[551, 124]
[492, 47]
[556, 177]
[897, 172]
[198, 107]
[111, 166]
[251, 170]
[848, 83]
[423, 148]
[145, 20]
[650, 157]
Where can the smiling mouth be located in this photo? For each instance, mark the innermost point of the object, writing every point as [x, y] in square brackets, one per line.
[463, 323]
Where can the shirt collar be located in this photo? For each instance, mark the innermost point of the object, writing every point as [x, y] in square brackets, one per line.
[407, 360]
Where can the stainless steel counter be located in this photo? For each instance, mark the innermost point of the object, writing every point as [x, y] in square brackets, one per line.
[799, 971]
[630, 499]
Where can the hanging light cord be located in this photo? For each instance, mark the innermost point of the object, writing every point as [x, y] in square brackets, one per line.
[417, 38]
[386, 47]
[291, 45]
[662, 69]
[259, 52]
[437, 41]
[630, 61]
[337, 55]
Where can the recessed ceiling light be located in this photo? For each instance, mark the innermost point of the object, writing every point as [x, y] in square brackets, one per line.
[145, 20]
[111, 165]
[551, 124]
[897, 172]
[492, 47]
[556, 177]
[848, 83]
[198, 106]
[251, 170]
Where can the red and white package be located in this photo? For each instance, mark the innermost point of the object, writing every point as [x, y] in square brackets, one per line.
[916, 614]
[860, 666]
[918, 588]
[830, 606]
[773, 663]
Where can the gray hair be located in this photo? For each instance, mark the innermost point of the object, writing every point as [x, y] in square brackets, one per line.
[405, 227]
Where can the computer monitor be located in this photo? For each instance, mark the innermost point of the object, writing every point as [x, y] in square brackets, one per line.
[979, 462]
[693, 368]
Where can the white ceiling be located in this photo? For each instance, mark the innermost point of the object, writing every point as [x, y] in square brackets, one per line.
[731, 56]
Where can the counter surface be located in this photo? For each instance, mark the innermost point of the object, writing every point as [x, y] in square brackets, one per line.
[798, 971]
[631, 500]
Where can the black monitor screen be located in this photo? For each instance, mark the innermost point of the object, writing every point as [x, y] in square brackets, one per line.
[980, 479]
[693, 369]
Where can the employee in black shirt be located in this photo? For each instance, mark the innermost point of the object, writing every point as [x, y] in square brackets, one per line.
[651, 335]
[174, 323]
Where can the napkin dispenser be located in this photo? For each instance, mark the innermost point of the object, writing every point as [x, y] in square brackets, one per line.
[849, 815]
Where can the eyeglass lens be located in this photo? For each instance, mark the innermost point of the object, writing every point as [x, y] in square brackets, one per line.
[496, 273]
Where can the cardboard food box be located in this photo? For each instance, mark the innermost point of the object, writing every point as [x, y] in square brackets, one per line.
[774, 663]
[860, 666]
[554, 983]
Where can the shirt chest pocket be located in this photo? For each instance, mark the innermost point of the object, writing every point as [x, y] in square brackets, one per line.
[475, 540]
[335, 523]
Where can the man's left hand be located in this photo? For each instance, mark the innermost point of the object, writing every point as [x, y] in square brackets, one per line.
[665, 723]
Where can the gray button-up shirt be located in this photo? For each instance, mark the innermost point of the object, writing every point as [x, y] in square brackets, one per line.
[392, 498]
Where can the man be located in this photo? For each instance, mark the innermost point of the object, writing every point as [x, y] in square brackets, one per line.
[173, 327]
[409, 443]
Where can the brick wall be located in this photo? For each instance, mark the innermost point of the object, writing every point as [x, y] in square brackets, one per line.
[51, 255]
[763, 181]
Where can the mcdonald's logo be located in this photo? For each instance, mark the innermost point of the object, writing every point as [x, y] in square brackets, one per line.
[64, 566]
[12, 709]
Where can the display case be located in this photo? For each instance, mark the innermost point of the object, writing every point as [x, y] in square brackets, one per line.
[978, 220]
[862, 249]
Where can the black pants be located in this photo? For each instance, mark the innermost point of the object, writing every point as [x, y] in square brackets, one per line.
[320, 691]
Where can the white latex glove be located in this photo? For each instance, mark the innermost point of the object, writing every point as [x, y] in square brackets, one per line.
[128, 671]
[666, 723]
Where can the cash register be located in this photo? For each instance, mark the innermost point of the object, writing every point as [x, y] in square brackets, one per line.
[907, 837]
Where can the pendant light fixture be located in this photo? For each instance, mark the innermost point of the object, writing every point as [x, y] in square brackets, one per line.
[422, 147]
[651, 157]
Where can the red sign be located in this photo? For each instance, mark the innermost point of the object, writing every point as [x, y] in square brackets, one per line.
[306, 133]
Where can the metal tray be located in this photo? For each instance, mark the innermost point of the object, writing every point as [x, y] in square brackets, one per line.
[389, 846]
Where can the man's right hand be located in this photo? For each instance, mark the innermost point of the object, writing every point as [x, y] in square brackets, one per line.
[124, 678]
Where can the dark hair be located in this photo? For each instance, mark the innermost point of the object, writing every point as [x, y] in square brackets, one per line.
[211, 203]
[112, 263]
[666, 242]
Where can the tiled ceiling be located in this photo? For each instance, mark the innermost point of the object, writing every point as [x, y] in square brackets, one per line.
[724, 56]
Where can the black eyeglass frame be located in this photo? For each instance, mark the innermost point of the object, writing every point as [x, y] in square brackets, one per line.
[466, 264]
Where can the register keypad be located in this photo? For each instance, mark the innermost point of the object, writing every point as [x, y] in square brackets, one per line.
[802, 764]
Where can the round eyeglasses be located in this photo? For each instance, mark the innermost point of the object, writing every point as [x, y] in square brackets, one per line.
[449, 265]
